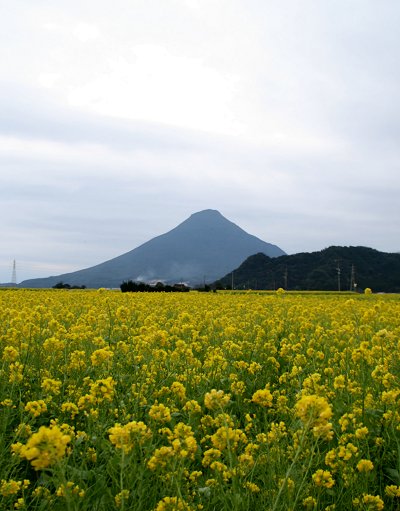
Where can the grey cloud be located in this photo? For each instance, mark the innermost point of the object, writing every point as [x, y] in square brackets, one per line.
[28, 112]
[319, 87]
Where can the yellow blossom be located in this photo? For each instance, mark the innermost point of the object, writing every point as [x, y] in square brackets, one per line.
[70, 408]
[372, 502]
[23, 430]
[36, 408]
[263, 397]
[160, 413]
[323, 478]
[103, 389]
[44, 448]
[365, 466]
[10, 487]
[101, 356]
[51, 385]
[160, 458]
[121, 497]
[20, 504]
[315, 412]
[192, 406]
[68, 489]
[392, 491]
[125, 437]
[347, 451]
[173, 504]
[238, 387]
[10, 354]
[16, 372]
[228, 438]
[210, 456]
[183, 441]
[309, 503]
[179, 390]
[254, 488]
[361, 433]
[216, 399]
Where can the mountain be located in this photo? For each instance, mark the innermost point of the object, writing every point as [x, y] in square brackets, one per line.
[362, 266]
[203, 247]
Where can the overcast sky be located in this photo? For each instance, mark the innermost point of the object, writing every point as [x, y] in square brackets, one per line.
[118, 120]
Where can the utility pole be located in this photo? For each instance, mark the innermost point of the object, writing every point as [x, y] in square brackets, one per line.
[232, 282]
[14, 274]
[338, 272]
[353, 285]
[285, 277]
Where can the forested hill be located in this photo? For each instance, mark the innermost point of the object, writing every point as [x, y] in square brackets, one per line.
[324, 270]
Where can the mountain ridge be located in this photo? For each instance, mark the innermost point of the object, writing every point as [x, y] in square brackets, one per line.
[204, 246]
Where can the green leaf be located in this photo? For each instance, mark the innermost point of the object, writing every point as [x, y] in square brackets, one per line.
[393, 475]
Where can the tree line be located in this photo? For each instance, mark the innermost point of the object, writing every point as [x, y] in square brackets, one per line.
[135, 287]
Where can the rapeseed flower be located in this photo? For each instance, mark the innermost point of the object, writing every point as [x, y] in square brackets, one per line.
[323, 478]
[369, 502]
[216, 399]
[121, 497]
[183, 441]
[160, 458]
[210, 456]
[254, 488]
[179, 390]
[10, 354]
[173, 504]
[125, 437]
[103, 389]
[51, 385]
[44, 448]
[192, 406]
[345, 452]
[68, 489]
[309, 503]
[392, 491]
[263, 397]
[102, 361]
[12, 487]
[228, 438]
[160, 413]
[365, 466]
[70, 408]
[36, 408]
[101, 356]
[16, 372]
[315, 412]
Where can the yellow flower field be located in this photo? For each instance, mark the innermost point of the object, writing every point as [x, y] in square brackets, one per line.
[192, 401]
